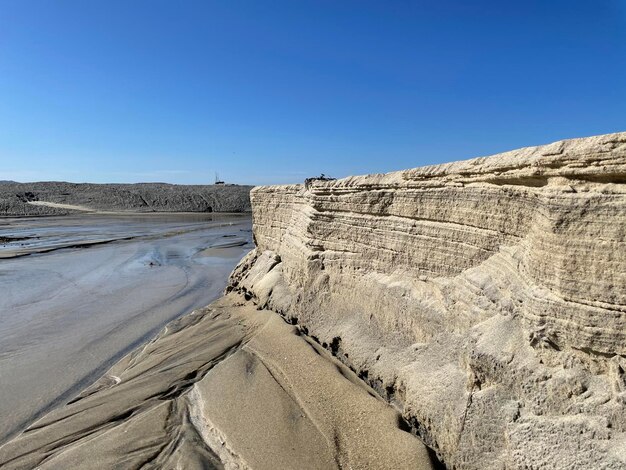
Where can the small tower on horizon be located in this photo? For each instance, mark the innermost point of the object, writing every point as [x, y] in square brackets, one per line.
[217, 178]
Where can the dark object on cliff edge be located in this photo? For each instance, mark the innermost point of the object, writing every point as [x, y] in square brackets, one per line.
[322, 177]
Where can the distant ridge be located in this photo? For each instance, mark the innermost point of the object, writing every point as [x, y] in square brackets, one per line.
[17, 199]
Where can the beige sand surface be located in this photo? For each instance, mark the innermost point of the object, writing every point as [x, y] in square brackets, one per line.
[68, 315]
[61, 206]
[485, 297]
[226, 386]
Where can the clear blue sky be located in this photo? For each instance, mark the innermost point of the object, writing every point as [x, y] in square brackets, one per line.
[272, 92]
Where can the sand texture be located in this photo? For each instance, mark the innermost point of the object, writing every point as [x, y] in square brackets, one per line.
[227, 386]
[68, 315]
[59, 198]
[486, 298]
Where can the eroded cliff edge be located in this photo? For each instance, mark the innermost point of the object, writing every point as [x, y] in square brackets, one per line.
[486, 298]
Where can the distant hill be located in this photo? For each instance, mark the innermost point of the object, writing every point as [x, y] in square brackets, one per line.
[29, 199]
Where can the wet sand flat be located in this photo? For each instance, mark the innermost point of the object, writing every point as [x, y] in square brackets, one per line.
[228, 386]
[67, 315]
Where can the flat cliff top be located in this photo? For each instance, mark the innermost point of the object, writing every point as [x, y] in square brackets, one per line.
[595, 159]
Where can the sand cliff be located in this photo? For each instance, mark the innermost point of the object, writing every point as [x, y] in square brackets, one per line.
[486, 298]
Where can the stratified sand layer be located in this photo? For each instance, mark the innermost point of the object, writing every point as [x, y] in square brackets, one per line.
[486, 297]
[228, 386]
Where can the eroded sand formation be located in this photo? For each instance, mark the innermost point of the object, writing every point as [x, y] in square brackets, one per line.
[486, 298]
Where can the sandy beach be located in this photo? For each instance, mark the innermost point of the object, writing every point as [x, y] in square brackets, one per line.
[88, 383]
[68, 314]
[228, 386]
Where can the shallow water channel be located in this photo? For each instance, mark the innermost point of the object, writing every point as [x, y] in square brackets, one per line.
[79, 292]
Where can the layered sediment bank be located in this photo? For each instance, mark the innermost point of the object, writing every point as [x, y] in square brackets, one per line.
[484, 299]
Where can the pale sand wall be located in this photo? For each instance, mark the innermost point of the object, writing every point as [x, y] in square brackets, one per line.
[486, 297]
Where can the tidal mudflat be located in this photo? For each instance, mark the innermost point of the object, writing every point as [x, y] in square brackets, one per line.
[77, 293]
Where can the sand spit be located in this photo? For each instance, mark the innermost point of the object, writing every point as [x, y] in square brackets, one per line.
[19, 251]
[55, 205]
[227, 386]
